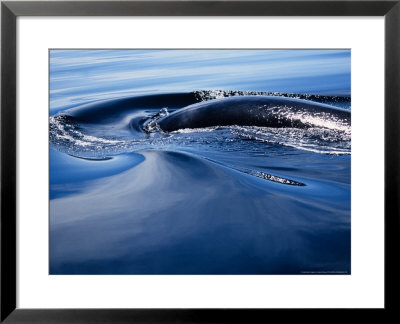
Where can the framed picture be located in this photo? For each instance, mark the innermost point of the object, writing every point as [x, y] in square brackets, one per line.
[198, 160]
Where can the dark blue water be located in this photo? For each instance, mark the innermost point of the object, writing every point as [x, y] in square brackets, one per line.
[200, 162]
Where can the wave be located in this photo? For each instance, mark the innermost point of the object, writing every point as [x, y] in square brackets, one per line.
[340, 101]
[205, 120]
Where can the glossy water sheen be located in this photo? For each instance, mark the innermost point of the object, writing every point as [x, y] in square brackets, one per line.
[200, 161]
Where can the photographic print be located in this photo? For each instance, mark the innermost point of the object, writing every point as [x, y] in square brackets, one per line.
[199, 161]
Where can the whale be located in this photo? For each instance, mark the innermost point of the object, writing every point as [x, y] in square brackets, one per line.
[265, 111]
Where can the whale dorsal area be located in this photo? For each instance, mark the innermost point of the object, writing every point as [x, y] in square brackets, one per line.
[255, 111]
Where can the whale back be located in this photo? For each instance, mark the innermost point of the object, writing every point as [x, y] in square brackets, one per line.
[254, 111]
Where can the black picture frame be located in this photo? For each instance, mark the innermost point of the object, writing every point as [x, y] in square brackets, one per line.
[10, 10]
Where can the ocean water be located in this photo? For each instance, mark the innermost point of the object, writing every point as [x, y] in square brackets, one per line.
[200, 162]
